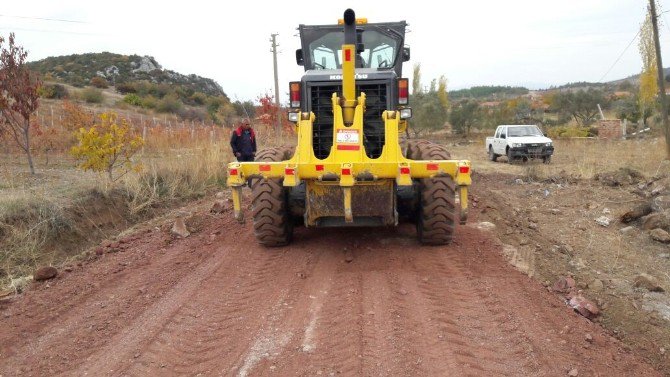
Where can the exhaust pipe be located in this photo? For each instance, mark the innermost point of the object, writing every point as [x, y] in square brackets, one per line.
[348, 67]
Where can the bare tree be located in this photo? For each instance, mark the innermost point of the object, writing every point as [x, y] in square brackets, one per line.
[18, 95]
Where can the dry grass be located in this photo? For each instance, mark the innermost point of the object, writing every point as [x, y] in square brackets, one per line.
[579, 158]
[39, 215]
[62, 205]
[181, 160]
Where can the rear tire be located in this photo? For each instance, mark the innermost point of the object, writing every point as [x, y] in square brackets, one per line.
[492, 156]
[269, 204]
[436, 219]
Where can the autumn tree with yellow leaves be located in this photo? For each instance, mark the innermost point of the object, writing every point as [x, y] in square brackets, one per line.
[649, 75]
[107, 145]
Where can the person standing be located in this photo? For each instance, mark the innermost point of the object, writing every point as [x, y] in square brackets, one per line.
[243, 142]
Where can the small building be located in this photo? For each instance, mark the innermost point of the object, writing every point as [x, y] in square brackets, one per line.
[610, 129]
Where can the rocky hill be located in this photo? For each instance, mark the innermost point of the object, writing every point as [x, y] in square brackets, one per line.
[79, 69]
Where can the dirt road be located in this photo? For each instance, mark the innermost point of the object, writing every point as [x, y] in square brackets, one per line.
[215, 303]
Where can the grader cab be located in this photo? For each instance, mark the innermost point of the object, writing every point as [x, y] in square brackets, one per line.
[348, 167]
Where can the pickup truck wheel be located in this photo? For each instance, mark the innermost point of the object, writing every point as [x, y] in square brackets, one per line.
[436, 210]
[546, 159]
[492, 156]
[509, 156]
[269, 204]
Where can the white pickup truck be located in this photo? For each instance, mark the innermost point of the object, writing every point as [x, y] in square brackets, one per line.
[519, 142]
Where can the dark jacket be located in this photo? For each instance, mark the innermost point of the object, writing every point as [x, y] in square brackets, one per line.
[243, 142]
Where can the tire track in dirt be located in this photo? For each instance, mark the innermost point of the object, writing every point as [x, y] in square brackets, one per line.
[85, 308]
[382, 353]
[337, 337]
[199, 335]
[440, 301]
[148, 323]
[234, 308]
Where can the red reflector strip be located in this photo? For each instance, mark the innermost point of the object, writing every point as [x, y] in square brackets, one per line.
[264, 168]
[404, 170]
[464, 169]
[347, 55]
[348, 147]
[319, 167]
[432, 166]
[289, 171]
[233, 171]
[346, 171]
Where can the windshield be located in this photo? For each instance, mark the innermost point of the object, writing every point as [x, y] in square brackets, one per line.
[379, 50]
[524, 131]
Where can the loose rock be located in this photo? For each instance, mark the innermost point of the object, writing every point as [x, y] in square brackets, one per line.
[219, 206]
[603, 221]
[647, 282]
[584, 306]
[220, 195]
[573, 372]
[597, 285]
[45, 273]
[563, 285]
[485, 225]
[660, 235]
[179, 228]
[660, 203]
[627, 230]
[636, 213]
[656, 220]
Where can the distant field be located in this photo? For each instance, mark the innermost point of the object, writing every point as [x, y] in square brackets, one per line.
[581, 158]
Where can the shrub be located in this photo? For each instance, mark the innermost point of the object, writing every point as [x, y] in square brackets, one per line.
[149, 102]
[568, 131]
[169, 104]
[92, 95]
[107, 145]
[198, 98]
[53, 91]
[132, 99]
[196, 114]
[99, 82]
[126, 87]
[77, 81]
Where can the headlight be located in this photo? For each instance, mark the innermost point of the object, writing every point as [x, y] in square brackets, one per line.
[293, 117]
[548, 144]
[406, 113]
[517, 145]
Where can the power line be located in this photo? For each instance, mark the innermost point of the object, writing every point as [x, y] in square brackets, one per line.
[620, 56]
[44, 19]
[48, 31]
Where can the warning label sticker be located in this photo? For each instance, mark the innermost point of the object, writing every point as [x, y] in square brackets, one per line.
[347, 136]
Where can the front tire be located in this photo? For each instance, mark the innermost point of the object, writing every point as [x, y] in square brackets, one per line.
[546, 159]
[510, 159]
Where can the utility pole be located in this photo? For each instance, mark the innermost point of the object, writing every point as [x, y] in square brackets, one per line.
[274, 60]
[661, 78]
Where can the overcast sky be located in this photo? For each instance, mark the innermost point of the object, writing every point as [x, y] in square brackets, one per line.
[534, 43]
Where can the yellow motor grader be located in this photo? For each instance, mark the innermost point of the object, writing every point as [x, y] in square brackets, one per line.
[348, 167]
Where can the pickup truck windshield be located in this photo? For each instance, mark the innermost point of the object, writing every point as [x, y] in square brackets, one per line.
[523, 131]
